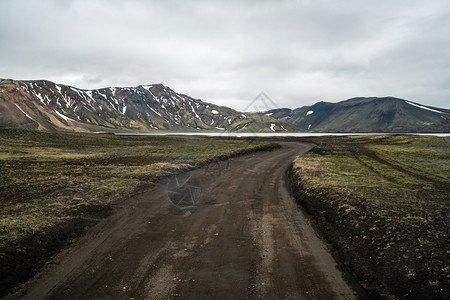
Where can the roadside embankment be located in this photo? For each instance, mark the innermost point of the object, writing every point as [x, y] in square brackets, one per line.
[383, 204]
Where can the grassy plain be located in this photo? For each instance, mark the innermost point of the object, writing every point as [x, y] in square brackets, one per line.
[384, 203]
[54, 184]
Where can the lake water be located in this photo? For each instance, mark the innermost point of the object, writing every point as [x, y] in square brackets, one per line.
[268, 134]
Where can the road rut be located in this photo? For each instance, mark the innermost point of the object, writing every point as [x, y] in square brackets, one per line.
[237, 235]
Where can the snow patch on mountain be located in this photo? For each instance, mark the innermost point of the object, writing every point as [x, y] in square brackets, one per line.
[102, 95]
[154, 97]
[89, 93]
[426, 108]
[58, 87]
[39, 96]
[195, 113]
[63, 116]
[24, 112]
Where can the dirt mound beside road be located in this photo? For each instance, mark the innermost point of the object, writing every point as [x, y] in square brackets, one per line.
[383, 208]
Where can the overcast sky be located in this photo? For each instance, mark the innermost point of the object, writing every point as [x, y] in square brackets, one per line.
[227, 52]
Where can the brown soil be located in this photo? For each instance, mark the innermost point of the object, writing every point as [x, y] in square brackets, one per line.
[239, 234]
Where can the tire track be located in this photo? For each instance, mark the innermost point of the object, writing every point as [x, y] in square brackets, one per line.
[243, 238]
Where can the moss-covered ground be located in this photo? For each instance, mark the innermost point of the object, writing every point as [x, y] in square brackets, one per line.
[55, 184]
[384, 203]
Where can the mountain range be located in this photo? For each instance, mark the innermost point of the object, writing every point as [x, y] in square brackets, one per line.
[368, 114]
[42, 104]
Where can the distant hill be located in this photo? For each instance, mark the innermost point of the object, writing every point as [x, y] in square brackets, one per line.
[43, 104]
[386, 114]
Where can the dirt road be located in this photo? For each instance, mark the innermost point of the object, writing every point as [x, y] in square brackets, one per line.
[229, 230]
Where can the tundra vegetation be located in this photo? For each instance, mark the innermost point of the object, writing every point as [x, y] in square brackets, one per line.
[55, 184]
[383, 203]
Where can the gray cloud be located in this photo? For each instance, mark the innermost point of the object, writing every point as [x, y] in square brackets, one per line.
[298, 52]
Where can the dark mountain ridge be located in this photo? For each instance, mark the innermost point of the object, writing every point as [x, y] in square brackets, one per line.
[366, 114]
[42, 104]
